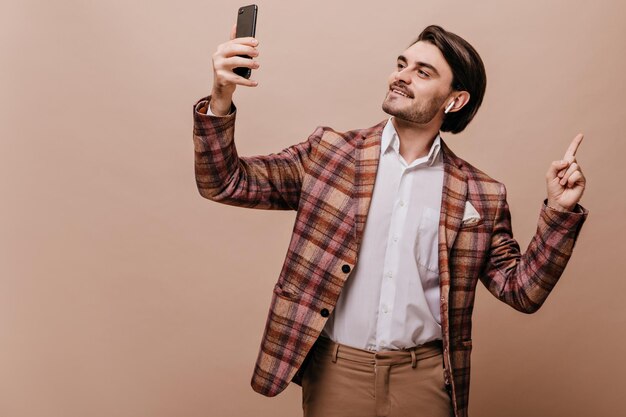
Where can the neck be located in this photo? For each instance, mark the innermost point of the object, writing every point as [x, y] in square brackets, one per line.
[415, 139]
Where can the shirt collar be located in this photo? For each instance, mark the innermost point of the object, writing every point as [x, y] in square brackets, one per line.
[391, 140]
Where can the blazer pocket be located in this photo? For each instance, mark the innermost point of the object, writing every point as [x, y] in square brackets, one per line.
[471, 223]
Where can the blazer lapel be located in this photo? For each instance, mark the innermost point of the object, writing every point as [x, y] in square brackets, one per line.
[367, 158]
[453, 198]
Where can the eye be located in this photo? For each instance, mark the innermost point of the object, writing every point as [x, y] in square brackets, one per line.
[424, 73]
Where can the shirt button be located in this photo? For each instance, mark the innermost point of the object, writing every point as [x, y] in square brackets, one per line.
[324, 312]
[442, 299]
[345, 268]
[385, 308]
[401, 203]
[395, 239]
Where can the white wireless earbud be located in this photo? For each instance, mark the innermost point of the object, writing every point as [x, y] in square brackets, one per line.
[449, 106]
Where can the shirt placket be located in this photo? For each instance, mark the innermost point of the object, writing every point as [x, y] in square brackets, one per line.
[390, 266]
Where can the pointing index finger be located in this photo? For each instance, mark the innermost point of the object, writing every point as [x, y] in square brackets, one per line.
[573, 147]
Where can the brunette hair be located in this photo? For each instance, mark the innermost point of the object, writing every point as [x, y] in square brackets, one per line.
[468, 73]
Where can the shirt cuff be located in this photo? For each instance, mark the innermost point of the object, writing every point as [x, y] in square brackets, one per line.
[203, 110]
[210, 113]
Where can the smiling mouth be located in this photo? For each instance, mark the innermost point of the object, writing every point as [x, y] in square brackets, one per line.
[399, 93]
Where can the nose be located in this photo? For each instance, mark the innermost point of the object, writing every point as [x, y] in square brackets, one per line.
[402, 75]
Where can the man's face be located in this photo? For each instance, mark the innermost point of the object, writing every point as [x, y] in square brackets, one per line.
[424, 76]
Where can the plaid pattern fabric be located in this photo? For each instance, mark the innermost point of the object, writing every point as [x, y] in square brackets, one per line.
[328, 179]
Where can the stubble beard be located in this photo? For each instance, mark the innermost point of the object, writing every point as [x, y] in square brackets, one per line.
[421, 113]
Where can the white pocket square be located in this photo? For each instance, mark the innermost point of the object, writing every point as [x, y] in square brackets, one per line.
[470, 215]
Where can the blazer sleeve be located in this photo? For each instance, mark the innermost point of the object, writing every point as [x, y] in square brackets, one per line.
[271, 182]
[524, 281]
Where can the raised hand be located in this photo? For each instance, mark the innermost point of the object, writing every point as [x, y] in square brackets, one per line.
[565, 180]
[224, 60]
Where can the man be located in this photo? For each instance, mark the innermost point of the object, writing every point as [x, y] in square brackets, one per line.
[371, 314]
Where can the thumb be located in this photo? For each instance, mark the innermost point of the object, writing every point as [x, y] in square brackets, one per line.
[233, 31]
[555, 167]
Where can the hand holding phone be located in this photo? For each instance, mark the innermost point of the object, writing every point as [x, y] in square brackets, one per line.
[231, 55]
[246, 27]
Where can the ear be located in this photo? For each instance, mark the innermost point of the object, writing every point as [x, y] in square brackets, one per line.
[462, 98]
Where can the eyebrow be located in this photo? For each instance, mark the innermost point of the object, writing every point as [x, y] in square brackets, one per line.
[419, 64]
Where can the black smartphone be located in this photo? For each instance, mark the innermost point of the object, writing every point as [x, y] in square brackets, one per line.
[246, 26]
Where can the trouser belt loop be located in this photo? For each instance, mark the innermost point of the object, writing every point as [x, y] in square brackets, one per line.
[335, 349]
[413, 359]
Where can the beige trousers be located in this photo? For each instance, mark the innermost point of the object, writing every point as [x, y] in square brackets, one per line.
[343, 381]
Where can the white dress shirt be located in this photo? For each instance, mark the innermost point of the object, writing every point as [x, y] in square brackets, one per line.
[391, 299]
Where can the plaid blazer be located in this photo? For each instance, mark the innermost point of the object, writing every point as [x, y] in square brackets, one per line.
[328, 180]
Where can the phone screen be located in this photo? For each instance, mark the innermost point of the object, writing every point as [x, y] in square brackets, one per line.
[246, 26]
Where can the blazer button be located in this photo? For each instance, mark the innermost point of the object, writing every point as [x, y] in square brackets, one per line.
[324, 312]
[345, 268]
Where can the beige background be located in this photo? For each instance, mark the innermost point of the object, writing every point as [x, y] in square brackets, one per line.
[124, 293]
